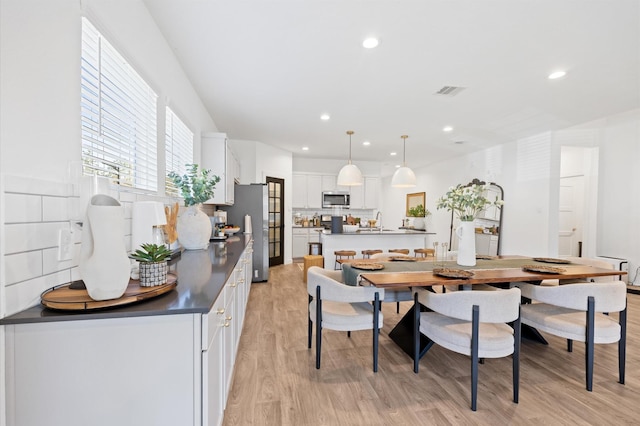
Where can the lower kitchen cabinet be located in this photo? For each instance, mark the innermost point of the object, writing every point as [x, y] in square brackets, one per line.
[155, 370]
[487, 244]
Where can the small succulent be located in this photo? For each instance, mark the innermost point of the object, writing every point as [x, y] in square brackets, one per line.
[151, 253]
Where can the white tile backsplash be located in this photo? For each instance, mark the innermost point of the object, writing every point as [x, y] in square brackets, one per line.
[20, 208]
[35, 211]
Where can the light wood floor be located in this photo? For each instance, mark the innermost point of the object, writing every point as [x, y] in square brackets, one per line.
[276, 382]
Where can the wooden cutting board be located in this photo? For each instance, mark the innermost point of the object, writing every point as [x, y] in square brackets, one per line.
[67, 299]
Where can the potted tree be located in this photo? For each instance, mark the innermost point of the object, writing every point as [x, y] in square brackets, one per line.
[152, 260]
[196, 187]
[419, 213]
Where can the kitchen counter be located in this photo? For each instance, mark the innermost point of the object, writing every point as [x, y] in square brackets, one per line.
[201, 277]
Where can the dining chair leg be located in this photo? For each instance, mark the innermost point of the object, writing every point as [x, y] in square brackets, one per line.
[376, 335]
[517, 329]
[590, 341]
[310, 322]
[475, 325]
[349, 334]
[622, 343]
[569, 345]
[318, 327]
[397, 307]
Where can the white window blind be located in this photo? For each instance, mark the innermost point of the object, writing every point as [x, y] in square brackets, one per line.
[179, 149]
[119, 116]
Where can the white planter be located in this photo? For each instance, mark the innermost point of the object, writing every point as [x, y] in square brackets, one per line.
[194, 228]
[104, 264]
[152, 273]
[418, 223]
[466, 244]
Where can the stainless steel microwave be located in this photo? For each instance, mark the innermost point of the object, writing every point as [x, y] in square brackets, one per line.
[335, 199]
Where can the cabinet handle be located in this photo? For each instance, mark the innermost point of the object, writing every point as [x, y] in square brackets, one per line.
[228, 318]
[220, 311]
[227, 324]
[241, 280]
[233, 284]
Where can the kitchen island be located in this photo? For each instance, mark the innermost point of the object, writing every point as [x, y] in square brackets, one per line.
[165, 361]
[371, 239]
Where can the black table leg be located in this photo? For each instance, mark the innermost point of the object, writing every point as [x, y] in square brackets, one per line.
[402, 335]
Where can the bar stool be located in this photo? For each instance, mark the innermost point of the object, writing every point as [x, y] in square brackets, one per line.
[366, 254]
[402, 251]
[343, 254]
[425, 252]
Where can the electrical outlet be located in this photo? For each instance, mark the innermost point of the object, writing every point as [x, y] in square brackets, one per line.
[65, 245]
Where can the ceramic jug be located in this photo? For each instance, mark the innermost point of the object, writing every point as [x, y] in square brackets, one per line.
[466, 243]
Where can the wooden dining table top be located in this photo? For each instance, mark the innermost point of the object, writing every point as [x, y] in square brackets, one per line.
[508, 269]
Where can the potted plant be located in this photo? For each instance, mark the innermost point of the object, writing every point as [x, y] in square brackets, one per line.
[419, 213]
[152, 260]
[196, 187]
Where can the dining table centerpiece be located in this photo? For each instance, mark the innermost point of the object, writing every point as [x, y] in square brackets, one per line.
[466, 202]
[419, 215]
[196, 186]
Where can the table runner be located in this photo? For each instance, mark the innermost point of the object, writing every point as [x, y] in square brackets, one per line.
[350, 274]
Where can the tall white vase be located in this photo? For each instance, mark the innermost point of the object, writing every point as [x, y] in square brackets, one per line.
[194, 228]
[418, 222]
[104, 264]
[466, 244]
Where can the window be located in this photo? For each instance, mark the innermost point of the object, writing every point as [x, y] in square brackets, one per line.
[179, 149]
[119, 116]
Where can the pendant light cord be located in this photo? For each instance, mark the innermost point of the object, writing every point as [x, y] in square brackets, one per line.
[404, 150]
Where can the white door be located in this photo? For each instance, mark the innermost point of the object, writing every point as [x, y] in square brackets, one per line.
[570, 215]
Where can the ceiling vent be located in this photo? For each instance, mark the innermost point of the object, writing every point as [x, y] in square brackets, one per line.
[449, 91]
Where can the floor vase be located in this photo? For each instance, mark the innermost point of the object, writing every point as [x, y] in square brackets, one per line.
[194, 228]
[466, 244]
[104, 264]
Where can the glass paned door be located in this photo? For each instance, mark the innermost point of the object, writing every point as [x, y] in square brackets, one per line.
[276, 225]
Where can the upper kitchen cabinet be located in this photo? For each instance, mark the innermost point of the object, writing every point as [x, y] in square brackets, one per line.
[365, 196]
[218, 157]
[307, 191]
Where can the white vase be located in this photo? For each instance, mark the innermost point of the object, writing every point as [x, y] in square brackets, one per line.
[104, 264]
[418, 222]
[194, 228]
[466, 243]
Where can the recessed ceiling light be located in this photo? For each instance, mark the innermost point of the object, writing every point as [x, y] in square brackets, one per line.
[557, 74]
[325, 117]
[370, 42]
[305, 148]
[394, 153]
[366, 143]
[447, 128]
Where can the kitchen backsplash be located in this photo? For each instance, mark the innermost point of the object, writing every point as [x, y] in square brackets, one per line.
[34, 213]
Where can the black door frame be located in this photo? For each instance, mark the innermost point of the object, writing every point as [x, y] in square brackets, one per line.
[276, 260]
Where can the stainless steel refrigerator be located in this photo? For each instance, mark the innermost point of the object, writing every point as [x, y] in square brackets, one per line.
[253, 200]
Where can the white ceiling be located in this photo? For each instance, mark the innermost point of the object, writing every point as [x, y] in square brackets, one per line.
[267, 70]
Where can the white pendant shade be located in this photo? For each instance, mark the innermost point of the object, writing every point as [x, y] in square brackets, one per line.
[403, 178]
[350, 175]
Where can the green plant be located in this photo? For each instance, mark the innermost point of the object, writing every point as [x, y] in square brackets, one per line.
[151, 253]
[418, 211]
[467, 201]
[195, 187]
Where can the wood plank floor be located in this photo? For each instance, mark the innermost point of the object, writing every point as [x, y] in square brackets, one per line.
[276, 382]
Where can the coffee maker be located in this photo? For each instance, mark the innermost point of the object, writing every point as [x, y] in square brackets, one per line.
[218, 222]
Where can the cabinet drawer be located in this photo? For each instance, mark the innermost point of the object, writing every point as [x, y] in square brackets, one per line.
[214, 320]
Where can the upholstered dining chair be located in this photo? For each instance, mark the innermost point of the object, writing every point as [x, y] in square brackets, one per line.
[337, 306]
[577, 312]
[395, 295]
[473, 323]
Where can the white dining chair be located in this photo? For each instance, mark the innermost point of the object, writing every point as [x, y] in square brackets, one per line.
[577, 312]
[473, 323]
[336, 306]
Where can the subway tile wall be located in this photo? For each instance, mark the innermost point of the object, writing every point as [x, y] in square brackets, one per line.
[34, 213]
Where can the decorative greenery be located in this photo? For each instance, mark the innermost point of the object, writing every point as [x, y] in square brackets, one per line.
[418, 211]
[195, 187]
[467, 201]
[151, 253]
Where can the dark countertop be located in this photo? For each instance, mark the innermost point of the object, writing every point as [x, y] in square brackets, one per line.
[201, 277]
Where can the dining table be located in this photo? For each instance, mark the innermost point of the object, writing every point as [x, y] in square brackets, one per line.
[499, 271]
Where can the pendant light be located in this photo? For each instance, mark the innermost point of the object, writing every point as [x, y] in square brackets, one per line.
[350, 174]
[404, 176]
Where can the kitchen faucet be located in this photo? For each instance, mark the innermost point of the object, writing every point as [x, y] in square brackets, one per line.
[379, 218]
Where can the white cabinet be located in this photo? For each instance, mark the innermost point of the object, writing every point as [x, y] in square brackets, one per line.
[487, 244]
[307, 191]
[365, 196]
[218, 157]
[300, 240]
[329, 182]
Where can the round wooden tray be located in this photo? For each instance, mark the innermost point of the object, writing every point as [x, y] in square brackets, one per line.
[67, 299]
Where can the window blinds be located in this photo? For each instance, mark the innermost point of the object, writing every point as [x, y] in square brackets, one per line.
[179, 149]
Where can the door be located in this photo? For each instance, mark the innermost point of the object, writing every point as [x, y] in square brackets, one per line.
[276, 220]
[570, 219]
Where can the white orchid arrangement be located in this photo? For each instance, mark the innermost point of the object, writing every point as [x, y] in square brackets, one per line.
[467, 201]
